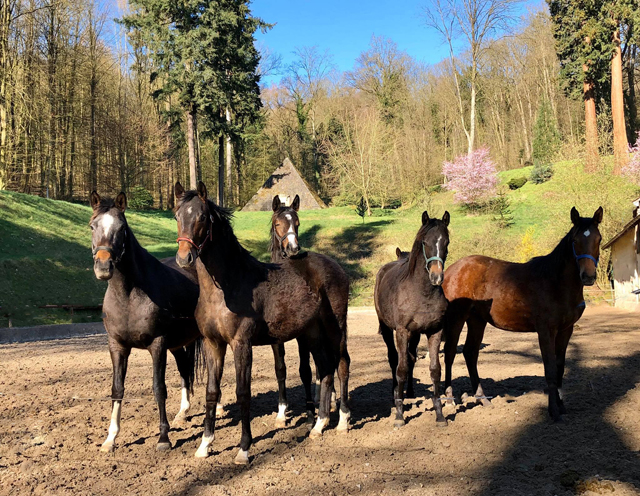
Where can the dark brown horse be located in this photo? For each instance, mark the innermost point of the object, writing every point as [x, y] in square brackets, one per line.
[245, 303]
[409, 300]
[543, 295]
[284, 244]
[148, 305]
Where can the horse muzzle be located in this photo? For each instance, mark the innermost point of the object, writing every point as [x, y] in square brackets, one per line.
[103, 269]
[587, 279]
[185, 258]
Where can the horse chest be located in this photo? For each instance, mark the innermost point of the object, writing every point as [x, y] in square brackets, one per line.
[132, 318]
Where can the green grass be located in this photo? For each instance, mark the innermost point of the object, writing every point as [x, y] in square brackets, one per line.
[45, 253]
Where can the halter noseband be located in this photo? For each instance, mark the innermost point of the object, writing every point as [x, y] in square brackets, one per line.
[208, 237]
[427, 261]
[109, 249]
[578, 257]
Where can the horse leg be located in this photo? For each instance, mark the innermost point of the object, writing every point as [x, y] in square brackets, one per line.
[305, 377]
[326, 368]
[243, 356]
[414, 341]
[392, 354]
[185, 362]
[119, 359]
[436, 372]
[453, 324]
[547, 340]
[214, 352]
[159, 355]
[562, 341]
[402, 343]
[281, 374]
[475, 332]
[343, 376]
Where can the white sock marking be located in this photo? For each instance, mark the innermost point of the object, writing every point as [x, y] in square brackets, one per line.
[282, 408]
[343, 425]
[185, 405]
[203, 450]
[114, 426]
[320, 425]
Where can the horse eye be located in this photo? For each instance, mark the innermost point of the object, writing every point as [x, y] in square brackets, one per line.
[202, 218]
[91, 226]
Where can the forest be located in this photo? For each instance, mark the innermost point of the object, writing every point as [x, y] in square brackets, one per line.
[176, 91]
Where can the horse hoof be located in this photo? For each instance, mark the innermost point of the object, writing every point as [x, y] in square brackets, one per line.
[310, 418]
[180, 418]
[464, 398]
[202, 453]
[242, 458]
[108, 448]
[163, 446]
[315, 434]
[486, 403]
[280, 424]
[442, 423]
[334, 407]
[219, 411]
[398, 423]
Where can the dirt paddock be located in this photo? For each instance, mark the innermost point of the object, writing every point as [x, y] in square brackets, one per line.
[49, 442]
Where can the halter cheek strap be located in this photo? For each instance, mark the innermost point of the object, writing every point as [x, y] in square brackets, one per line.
[427, 261]
[109, 249]
[579, 257]
[208, 237]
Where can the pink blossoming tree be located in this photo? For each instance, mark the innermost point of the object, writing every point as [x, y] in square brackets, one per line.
[632, 169]
[472, 177]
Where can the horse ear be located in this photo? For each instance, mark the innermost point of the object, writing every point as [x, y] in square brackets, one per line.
[446, 218]
[202, 191]
[121, 201]
[575, 216]
[178, 190]
[597, 216]
[398, 252]
[425, 217]
[94, 199]
[296, 203]
[275, 205]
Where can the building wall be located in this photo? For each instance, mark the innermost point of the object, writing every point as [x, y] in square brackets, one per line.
[625, 271]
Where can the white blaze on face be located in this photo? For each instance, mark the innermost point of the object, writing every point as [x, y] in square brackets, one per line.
[106, 222]
[438, 247]
[291, 233]
[189, 210]
[586, 233]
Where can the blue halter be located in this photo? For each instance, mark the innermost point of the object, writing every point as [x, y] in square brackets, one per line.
[427, 261]
[578, 257]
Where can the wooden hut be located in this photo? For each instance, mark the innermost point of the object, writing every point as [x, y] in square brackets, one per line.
[625, 262]
[285, 182]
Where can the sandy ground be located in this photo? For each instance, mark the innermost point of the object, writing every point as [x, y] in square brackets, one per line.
[49, 442]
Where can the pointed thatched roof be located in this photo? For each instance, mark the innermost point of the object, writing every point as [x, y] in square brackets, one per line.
[287, 182]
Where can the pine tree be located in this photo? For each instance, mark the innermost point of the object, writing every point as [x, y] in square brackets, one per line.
[546, 139]
[203, 52]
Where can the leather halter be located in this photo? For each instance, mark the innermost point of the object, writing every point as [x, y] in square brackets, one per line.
[427, 261]
[208, 237]
[579, 257]
[110, 250]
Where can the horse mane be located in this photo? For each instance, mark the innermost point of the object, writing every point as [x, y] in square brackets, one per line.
[557, 256]
[416, 249]
[106, 204]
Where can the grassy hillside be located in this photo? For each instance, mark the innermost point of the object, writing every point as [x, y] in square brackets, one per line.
[45, 253]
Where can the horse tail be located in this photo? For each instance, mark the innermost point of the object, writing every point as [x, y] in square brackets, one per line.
[197, 363]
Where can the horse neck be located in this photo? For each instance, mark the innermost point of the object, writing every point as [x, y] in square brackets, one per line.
[228, 262]
[129, 271]
[562, 263]
[276, 252]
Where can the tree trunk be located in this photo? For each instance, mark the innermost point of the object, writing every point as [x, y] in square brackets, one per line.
[229, 161]
[620, 145]
[472, 117]
[633, 108]
[221, 170]
[591, 126]
[191, 143]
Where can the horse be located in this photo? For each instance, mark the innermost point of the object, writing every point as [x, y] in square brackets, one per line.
[244, 302]
[284, 244]
[543, 295]
[409, 299]
[149, 304]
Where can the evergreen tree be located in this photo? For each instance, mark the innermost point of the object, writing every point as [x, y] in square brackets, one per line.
[546, 139]
[203, 51]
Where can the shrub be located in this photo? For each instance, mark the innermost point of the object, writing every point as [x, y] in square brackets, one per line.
[140, 198]
[517, 182]
[541, 173]
[473, 178]
[435, 189]
[632, 169]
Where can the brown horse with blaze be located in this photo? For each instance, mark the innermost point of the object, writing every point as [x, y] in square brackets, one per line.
[543, 295]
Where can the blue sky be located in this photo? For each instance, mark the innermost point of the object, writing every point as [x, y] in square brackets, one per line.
[345, 27]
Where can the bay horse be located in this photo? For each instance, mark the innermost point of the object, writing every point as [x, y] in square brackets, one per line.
[409, 299]
[285, 244]
[149, 304]
[244, 302]
[543, 295]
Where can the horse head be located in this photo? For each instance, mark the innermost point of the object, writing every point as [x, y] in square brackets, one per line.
[284, 227]
[109, 233]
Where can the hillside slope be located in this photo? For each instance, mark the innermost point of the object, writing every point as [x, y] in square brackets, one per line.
[45, 245]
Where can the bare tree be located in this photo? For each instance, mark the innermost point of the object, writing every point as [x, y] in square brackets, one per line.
[477, 22]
